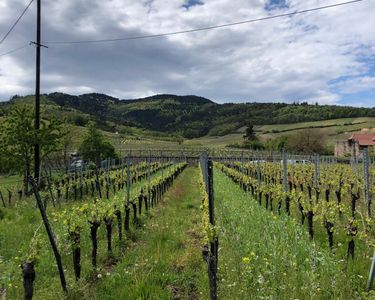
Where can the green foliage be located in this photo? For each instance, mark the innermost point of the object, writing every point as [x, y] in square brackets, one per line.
[223, 129]
[277, 144]
[250, 133]
[167, 263]
[270, 256]
[190, 116]
[306, 142]
[18, 137]
[253, 145]
[94, 147]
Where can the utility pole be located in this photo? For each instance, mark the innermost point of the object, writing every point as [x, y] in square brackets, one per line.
[37, 91]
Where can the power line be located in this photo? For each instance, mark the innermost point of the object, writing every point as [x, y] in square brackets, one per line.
[14, 50]
[203, 28]
[15, 23]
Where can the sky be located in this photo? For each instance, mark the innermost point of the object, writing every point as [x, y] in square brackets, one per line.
[326, 56]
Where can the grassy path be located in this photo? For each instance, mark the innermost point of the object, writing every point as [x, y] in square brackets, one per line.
[264, 256]
[164, 261]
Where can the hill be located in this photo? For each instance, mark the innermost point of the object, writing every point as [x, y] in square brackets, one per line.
[187, 116]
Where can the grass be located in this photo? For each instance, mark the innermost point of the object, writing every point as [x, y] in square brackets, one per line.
[163, 259]
[337, 129]
[346, 122]
[10, 182]
[215, 141]
[164, 262]
[18, 225]
[264, 256]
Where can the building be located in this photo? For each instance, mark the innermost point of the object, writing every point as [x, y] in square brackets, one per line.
[355, 144]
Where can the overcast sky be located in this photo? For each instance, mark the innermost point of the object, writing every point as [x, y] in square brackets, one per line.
[326, 56]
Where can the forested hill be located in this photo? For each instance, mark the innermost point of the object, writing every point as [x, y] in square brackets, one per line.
[190, 116]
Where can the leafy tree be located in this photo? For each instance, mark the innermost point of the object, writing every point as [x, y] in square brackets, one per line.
[94, 147]
[18, 137]
[307, 142]
[253, 144]
[277, 143]
[67, 143]
[250, 133]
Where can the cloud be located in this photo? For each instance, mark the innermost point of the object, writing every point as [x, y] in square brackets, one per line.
[304, 57]
[356, 85]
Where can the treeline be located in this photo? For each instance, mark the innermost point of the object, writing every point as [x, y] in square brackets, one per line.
[188, 116]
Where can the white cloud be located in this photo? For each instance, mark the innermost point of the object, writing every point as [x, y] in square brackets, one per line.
[282, 59]
[356, 85]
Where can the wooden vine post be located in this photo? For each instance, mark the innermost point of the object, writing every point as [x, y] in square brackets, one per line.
[49, 233]
[366, 162]
[367, 180]
[127, 208]
[210, 255]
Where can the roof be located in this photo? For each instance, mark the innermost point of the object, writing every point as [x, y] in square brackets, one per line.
[363, 139]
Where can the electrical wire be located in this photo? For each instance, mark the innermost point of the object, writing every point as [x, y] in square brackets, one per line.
[15, 23]
[202, 28]
[14, 50]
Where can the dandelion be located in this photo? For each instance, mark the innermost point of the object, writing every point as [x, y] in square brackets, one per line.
[99, 276]
[245, 260]
[108, 274]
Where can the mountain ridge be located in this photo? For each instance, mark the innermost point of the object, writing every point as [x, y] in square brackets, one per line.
[186, 115]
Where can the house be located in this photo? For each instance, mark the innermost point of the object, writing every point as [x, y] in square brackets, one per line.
[355, 144]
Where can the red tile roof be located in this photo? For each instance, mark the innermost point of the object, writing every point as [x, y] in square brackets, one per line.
[363, 139]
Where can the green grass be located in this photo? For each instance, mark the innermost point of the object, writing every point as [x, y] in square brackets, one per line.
[338, 129]
[167, 249]
[339, 122]
[10, 182]
[264, 256]
[164, 262]
[215, 141]
[18, 225]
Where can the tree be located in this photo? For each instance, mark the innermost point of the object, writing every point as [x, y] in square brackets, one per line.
[94, 147]
[67, 143]
[307, 142]
[250, 133]
[18, 137]
[277, 143]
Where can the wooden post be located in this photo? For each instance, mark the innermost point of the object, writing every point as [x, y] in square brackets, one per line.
[213, 258]
[50, 233]
[371, 276]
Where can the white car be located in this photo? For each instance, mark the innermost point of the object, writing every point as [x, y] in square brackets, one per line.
[297, 161]
[76, 165]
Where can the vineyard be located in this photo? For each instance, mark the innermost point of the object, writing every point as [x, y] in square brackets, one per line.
[188, 225]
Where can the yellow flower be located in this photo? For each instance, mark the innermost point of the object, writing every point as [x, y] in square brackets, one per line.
[245, 260]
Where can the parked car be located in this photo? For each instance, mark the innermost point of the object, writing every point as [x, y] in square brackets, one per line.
[257, 161]
[76, 165]
[297, 161]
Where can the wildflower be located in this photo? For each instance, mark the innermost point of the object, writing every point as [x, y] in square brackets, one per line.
[245, 260]
[99, 275]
